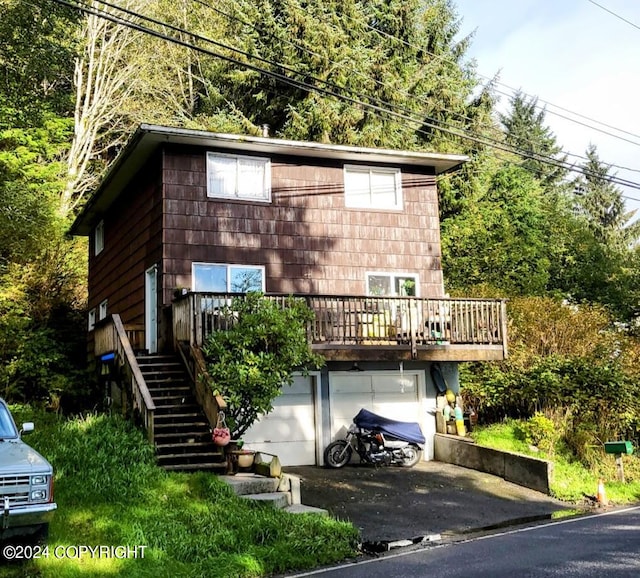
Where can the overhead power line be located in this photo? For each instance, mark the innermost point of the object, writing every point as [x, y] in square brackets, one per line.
[445, 58]
[368, 102]
[614, 14]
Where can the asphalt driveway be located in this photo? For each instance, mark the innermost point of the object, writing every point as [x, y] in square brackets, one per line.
[394, 503]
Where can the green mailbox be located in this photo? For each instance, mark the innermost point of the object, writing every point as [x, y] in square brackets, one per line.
[618, 448]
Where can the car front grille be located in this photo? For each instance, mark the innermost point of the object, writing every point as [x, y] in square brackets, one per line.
[16, 488]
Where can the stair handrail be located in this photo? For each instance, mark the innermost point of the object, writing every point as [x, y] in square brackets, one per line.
[141, 396]
[210, 404]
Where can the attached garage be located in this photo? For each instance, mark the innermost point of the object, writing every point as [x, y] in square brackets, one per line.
[393, 394]
[289, 431]
[294, 429]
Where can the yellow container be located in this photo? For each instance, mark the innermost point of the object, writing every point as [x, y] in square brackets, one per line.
[460, 427]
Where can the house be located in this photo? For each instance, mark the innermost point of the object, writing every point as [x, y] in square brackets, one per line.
[183, 214]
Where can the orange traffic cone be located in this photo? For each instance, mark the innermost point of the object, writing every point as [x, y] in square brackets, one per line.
[602, 495]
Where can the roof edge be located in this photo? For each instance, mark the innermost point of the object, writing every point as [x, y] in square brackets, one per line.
[147, 138]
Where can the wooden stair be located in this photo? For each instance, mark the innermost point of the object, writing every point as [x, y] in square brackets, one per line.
[182, 434]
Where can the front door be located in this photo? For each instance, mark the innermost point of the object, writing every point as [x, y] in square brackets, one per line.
[151, 309]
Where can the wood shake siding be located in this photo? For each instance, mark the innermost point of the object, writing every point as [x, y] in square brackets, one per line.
[117, 273]
[306, 238]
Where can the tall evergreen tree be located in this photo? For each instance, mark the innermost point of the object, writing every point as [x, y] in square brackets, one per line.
[525, 129]
[602, 204]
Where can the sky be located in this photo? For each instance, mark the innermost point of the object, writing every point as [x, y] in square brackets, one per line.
[572, 55]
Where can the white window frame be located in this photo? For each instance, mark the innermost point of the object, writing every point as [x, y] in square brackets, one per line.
[102, 310]
[92, 319]
[240, 189]
[393, 276]
[229, 267]
[98, 238]
[374, 202]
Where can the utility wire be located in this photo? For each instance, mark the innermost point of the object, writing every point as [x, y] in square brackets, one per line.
[512, 91]
[310, 87]
[447, 58]
[614, 14]
[231, 17]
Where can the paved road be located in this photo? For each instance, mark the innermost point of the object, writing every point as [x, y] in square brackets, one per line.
[603, 545]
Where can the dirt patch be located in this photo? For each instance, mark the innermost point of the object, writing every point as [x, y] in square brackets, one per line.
[393, 503]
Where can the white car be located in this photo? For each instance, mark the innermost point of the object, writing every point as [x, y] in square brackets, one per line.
[26, 483]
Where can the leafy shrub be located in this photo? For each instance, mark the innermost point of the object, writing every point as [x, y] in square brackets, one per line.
[540, 431]
[570, 361]
[250, 361]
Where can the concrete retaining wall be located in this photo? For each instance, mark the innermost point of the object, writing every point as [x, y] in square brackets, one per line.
[522, 470]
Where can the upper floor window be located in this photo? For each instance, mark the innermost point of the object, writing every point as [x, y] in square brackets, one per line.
[392, 284]
[98, 237]
[372, 187]
[222, 278]
[238, 177]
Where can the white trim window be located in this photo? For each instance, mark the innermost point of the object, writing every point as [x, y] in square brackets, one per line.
[102, 310]
[372, 187]
[392, 284]
[92, 319]
[226, 278]
[98, 238]
[238, 177]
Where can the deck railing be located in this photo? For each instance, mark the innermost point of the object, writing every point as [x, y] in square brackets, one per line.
[111, 336]
[362, 321]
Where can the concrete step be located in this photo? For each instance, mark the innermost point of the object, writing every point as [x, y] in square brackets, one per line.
[302, 509]
[276, 499]
[247, 484]
[283, 492]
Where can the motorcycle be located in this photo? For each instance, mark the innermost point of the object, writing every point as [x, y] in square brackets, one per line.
[378, 440]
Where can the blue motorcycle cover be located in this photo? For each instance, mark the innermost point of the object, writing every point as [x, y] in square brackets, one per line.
[403, 430]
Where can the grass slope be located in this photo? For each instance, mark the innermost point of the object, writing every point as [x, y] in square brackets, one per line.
[572, 482]
[110, 492]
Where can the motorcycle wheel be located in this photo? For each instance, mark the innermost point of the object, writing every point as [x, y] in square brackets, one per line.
[337, 454]
[413, 455]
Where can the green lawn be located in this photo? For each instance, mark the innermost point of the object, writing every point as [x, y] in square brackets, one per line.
[110, 493]
[572, 480]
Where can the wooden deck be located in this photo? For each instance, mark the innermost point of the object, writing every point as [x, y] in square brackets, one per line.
[353, 328]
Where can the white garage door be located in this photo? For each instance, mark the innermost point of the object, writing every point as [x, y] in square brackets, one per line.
[289, 431]
[394, 395]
